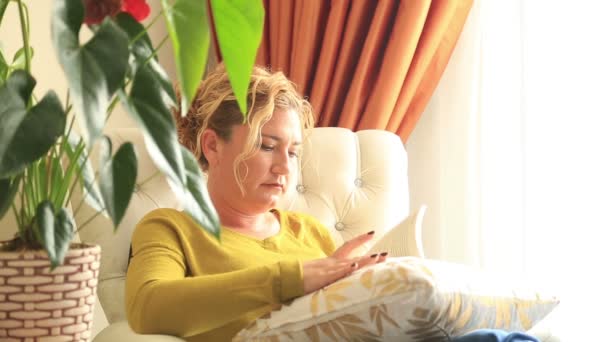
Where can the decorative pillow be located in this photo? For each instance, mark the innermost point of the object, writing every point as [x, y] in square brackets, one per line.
[404, 299]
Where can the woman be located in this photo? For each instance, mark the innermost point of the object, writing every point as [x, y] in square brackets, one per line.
[181, 280]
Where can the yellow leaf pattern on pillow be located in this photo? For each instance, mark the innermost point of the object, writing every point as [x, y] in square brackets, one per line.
[404, 299]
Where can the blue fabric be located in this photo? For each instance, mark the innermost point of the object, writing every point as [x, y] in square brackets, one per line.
[491, 335]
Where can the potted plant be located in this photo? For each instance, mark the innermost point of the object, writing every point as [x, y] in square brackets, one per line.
[47, 283]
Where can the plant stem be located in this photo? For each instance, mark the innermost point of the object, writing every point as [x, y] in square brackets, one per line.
[82, 200]
[111, 106]
[17, 217]
[67, 101]
[160, 45]
[25, 36]
[140, 34]
[88, 220]
[116, 97]
[152, 176]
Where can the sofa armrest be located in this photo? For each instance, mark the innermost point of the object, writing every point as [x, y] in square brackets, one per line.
[405, 239]
[121, 332]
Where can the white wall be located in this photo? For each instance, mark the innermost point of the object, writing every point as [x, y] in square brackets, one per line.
[444, 136]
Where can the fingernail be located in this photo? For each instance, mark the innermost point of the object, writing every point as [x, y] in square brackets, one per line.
[354, 264]
[373, 255]
[370, 232]
[384, 254]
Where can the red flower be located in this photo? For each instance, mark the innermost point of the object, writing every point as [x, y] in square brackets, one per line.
[97, 10]
[139, 9]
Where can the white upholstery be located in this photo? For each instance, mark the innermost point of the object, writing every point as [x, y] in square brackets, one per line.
[351, 182]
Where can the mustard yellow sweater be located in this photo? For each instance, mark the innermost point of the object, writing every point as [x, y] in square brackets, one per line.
[181, 281]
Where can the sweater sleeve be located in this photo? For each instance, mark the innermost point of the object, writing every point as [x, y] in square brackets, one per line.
[161, 299]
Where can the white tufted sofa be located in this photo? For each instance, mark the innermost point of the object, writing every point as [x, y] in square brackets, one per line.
[351, 182]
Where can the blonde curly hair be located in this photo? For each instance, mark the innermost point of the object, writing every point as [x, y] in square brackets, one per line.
[215, 107]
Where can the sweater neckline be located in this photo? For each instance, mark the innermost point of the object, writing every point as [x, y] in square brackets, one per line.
[281, 231]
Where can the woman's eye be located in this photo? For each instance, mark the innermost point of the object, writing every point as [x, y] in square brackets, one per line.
[266, 147]
[293, 154]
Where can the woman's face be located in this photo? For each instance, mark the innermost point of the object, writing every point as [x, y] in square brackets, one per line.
[271, 170]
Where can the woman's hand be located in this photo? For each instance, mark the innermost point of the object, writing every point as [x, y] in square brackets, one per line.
[322, 272]
[356, 247]
[345, 260]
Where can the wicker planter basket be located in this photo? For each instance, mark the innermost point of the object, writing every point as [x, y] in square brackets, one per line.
[39, 305]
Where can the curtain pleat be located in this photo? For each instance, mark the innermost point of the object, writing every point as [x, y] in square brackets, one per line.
[363, 64]
[396, 64]
[328, 56]
[307, 32]
[356, 28]
[370, 68]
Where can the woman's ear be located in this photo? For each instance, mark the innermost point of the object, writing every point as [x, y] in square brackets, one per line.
[210, 146]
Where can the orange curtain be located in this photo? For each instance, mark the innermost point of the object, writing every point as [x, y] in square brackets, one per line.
[364, 64]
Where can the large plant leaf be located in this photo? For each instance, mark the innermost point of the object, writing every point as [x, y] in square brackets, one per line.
[197, 202]
[146, 104]
[36, 133]
[95, 70]
[8, 189]
[239, 25]
[86, 173]
[54, 232]
[144, 56]
[188, 28]
[117, 177]
[14, 94]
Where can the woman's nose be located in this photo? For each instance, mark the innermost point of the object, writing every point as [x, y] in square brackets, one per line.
[281, 164]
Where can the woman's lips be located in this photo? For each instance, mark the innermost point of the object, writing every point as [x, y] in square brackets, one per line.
[274, 185]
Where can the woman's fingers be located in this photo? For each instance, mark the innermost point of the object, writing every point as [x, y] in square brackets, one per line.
[322, 272]
[342, 272]
[382, 256]
[372, 259]
[355, 247]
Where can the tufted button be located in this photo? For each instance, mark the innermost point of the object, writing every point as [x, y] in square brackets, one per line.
[358, 182]
[301, 188]
[340, 226]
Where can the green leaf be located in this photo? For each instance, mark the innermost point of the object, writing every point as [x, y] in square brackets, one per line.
[57, 178]
[144, 56]
[64, 232]
[147, 106]
[239, 25]
[188, 28]
[3, 4]
[90, 190]
[34, 136]
[19, 58]
[54, 232]
[14, 94]
[3, 68]
[94, 71]
[117, 178]
[197, 202]
[8, 189]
